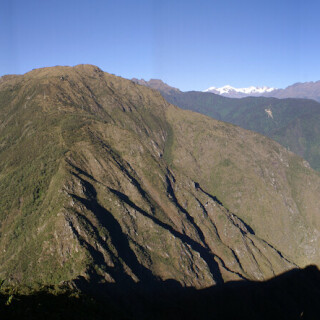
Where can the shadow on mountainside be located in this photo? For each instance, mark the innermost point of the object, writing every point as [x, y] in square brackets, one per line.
[204, 252]
[117, 237]
[292, 295]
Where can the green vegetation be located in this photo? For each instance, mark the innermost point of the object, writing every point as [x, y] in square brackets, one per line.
[167, 155]
[295, 123]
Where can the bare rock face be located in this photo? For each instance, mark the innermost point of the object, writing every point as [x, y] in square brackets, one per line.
[102, 180]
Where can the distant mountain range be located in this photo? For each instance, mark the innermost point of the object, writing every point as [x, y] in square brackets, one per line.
[294, 123]
[305, 90]
[231, 92]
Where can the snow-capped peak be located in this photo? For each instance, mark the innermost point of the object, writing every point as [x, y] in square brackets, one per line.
[231, 91]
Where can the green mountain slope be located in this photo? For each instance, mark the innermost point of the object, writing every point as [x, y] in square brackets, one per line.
[102, 180]
[294, 122]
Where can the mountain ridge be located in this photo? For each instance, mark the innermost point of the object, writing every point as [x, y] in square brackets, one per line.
[102, 180]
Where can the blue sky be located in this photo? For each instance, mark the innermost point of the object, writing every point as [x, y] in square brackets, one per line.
[188, 44]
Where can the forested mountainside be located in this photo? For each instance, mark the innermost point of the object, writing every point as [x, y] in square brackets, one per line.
[294, 123]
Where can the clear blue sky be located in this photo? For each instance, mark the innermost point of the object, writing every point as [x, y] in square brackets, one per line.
[187, 43]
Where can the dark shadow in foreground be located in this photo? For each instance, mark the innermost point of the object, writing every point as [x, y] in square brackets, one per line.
[292, 295]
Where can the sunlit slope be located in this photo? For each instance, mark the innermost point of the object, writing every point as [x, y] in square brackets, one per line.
[103, 180]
